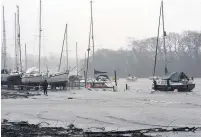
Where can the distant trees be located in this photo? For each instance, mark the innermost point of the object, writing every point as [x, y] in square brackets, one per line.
[183, 53]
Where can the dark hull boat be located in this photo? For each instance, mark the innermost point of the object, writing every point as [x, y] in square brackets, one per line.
[177, 81]
[33, 80]
[4, 76]
[14, 79]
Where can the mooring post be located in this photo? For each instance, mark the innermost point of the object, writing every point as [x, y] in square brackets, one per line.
[85, 79]
[126, 86]
[115, 77]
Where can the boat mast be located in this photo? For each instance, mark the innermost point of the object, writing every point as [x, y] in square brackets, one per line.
[25, 56]
[39, 36]
[157, 41]
[62, 48]
[4, 40]
[16, 57]
[18, 35]
[88, 50]
[164, 34]
[67, 47]
[76, 59]
[92, 29]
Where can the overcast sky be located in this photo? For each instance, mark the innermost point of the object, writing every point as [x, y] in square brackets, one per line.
[114, 22]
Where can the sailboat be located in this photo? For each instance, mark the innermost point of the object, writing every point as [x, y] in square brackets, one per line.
[101, 79]
[33, 76]
[15, 77]
[61, 78]
[4, 71]
[176, 81]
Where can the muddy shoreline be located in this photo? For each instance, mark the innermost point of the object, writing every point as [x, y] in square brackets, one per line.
[24, 129]
[15, 94]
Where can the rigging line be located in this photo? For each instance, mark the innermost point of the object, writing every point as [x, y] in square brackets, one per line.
[67, 47]
[157, 41]
[62, 48]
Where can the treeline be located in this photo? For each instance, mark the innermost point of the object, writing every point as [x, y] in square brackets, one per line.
[183, 54]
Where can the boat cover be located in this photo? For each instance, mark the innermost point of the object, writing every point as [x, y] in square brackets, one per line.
[32, 70]
[99, 72]
[176, 77]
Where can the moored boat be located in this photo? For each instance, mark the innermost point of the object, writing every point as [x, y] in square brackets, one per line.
[176, 81]
[131, 78]
[58, 79]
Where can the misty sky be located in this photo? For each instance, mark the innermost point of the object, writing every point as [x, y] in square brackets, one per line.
[114, 22]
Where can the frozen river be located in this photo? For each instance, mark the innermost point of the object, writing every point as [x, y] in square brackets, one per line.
[136, 108]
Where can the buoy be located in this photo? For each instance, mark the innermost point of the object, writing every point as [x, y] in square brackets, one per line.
[100, 85]
[175, 90]
[88, 85]
[152, 91]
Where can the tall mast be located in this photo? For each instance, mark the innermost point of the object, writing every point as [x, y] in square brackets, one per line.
[16, 55]
[164, 34]
[25, 56]
[92, 34]
[85, 58]
[4, 40]
[88, 50]
[76, 59]
[157, 41]
[18, 36]
[39, 36]
[62, 47]
[67, 47]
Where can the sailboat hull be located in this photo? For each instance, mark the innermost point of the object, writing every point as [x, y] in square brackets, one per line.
[57, 79]
[4, 78]
[15, 79]
[33, 80]
[180, 88]
[185, 86]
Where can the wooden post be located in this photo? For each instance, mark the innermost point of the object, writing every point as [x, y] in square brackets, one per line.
[126, 86]
[85, 80]
[115, 77]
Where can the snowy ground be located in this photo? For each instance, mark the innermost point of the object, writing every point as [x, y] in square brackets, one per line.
[93, 110]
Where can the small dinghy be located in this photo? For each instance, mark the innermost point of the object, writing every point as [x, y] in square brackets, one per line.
[175, 81]
[131, 78]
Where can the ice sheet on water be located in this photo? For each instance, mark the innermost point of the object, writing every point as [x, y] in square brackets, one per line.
[120, 110]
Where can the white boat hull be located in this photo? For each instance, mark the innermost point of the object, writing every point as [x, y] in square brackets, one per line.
[63, 77]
